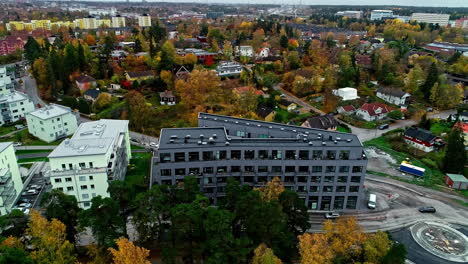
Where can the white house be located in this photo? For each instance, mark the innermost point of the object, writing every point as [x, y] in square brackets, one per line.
[52, 122]
[346, 93]
[244, 51]
[97, 153]
[393, 96]
[228, 68]
[263, 53]
[6, 85]
[14, 106]
[11, 184]
[373, 111]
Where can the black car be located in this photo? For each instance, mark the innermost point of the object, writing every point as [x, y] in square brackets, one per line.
[427, 209]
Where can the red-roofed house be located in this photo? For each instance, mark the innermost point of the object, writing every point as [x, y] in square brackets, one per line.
[373, 111]
[10, 44]
[346, 110]
[464, 127]
[244, 89]
[365, 61]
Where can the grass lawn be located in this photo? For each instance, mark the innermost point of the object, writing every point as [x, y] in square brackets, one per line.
[138, 170]
[28, 151]
[441, 127]
[29, 140]
[136, 147]
[343, 129]
[33, 160]
[6, 129]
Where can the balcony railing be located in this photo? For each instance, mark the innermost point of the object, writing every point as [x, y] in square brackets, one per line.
[59, 173]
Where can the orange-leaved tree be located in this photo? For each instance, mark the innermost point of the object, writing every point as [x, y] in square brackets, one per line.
[128, 253]
[265, 255]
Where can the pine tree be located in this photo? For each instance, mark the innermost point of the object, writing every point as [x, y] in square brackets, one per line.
[81, 58]
[431, 79]
[32, 50]
[455, 156]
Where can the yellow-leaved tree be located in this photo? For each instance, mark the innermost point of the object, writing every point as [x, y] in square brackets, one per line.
[265, 255]
[128, 253]
[272, 190]
[48, 240]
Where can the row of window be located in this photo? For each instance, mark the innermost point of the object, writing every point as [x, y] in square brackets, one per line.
[259, 154]
[81, 164]
[71, 188]
[262, 169]
[70, 179]
[326, 202]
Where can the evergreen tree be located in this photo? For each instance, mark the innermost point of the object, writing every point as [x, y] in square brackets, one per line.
[424, 123]
[81, 58]
[137, 47]
[455, 156]
[32, 50]
[431, 79]
[284, 41]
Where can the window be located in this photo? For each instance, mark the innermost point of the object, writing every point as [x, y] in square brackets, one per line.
[356, 179]
[303, 154]
[85, 196]
[194, 171]
[235, 154]
[70, 188]
[316, 169]
[58, 180]
[276, 169]
[221, 155]
[180, 171]
[290, 169]
[342, 179]
[338, 203]
[357, 169]
[60, 189]
[165, 157]
[208, 170]
[315, 179]
[240, 133]
[68, 179]
[235, 168]
[351, 203]
[84, 187]
[221, 169]
[277, 154]
[340, 188]
[330, 169]
[314, 188]
[344, 169]
[64, 166]
[249, 169]
[166, 172]
[331, 154]
[317, 154]
[208, 155]
[353, 188]
[90, 164]
[290, 154]
[263, 136]
[91, 178]
[327, 188]
[82, 164]
[329, 179]
[249, 154]
[263, 154]
[82, 178]
[262, 168]
[179, 156]
[303, 169]
[344, 154]
[86, 204]
[313, 202]
[93, 195]
[92, 186]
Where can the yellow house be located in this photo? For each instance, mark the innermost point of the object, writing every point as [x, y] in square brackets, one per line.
[267, 113]
[15, 25]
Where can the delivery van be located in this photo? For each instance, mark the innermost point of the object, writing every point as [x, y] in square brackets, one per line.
[372, 201]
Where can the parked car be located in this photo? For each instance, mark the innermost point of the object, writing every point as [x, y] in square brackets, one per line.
[430, 109]
[25, 205]
[24, 200]
[427, 209]
[332, 215]
[17, 144]
[30, 192]
[36, 187]
[383, 127]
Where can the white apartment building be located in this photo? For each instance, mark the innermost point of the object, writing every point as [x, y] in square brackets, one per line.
[379, 14]
[97, 153]
[6, 86]
[144, 20]
[350, 14]
[52, 122]
[118, 21]
[11, 184]
[432, 18]
[14, 106]
[244, 51]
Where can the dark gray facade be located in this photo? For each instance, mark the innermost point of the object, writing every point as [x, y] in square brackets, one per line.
[326, 168]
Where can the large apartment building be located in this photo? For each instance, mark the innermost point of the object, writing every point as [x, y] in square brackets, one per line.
[326, 168]
[380, 14]
[97, 153]
[10, 178]
[144, 20]
[52, 122]
[118, 21]
[6, 85]
[431, 18]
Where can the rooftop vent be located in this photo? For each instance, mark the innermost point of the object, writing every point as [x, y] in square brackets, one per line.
[307, 132]
[310, 143]
[225, 120]
[215, 119]
[227, 143]
[247, 124]
[338, 138]
[204, 117]
[349, 140]
[259, 125]
[294, 130]
[237, 122]
[171, 141]
[282, 128]
[324, 143]
[330, 138]
[173, 137]
[211, 140]
[67, 141]
[199, 142]
[270, 127]
[215, 136]
[336, 141]
[202, 136]
[188, 137]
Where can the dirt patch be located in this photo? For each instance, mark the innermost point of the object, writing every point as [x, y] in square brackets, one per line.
[383, 162]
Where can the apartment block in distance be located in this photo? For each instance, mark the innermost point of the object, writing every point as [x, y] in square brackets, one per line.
[326, 168]
[379, 14]
[52, 122]
[431, 18]
[96, 154]
[10, 178]
[144, 20]
[118, 21]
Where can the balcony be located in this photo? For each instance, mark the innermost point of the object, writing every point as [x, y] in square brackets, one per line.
[59, 173]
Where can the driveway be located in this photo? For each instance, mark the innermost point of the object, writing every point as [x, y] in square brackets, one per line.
[29, 87]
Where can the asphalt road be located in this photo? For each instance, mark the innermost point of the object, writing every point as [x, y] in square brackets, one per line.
[29, 87]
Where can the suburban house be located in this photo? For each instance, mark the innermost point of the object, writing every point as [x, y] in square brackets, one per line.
[85, 82]
[244, 89]
[393, 96]
[288, 105]
[229, 68]
[346, 93]
[10, 44]
[421, 139]
[10, 178]
[364, 61]
[266, 113]
[464, 128]
[263, 53]
[139, 76]
[325, 122]
[14, 106]
[203, 56]
[244, 51]
[92, 94]
[114, 87]
[456, 181]
[52, 122]
[167, 98]
[96, 154]
[346, 110]
[373, 111]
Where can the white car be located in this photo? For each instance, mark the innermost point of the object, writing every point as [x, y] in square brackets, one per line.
[25, 205]
[30, 192]
[36, 186]
[17, 144]
[332, 215]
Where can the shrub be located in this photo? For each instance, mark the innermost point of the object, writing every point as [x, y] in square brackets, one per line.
[430, 163]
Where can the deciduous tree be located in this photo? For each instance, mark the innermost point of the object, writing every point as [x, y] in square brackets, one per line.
[128, 253]
[264, 255]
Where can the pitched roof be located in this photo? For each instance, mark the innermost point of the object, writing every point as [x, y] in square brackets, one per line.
[245, 89]
[93, 93]
[457, 177]
[372, 108]
[420, 134]
[264, 111]
[285, 102]
[85, 79]
[392, 91]
[463, 126]
[140, 74]
[348, 108]
[364, 59]
[322, 122]
[166, 94]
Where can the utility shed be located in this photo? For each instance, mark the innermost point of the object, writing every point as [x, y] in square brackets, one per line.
[456, 181]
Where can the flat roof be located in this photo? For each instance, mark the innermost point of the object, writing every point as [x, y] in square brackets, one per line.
[13, 97]
[91, 138]
[4, 145]
[457, 177]
[51, 111]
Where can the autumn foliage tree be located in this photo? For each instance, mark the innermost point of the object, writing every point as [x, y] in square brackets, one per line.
[265, 255]
[272, 190]
[128, 253]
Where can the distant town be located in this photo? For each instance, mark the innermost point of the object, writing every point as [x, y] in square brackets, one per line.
[138, 132]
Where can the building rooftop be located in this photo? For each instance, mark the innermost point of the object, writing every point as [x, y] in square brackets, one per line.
[421, 134]
[91, 138]
[50, 111]
[4, 145]
[13, 97]
[457, 177]
[85, 79]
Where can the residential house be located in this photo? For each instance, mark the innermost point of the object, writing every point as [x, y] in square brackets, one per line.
[325, 122]
[263, 52]
[364, 61]
[182, 73]
[10, 44]
[52, 122]
[167, 98]
[139, 76]
[346, 93]
[373, 111]
[85, 82]
[92, 94]
[6, 84]
[266, 113]
[346, 110]
[244, 89]
[421, 139]
[464, 128]
[114, 87]
[244, 51]
[393, 96]
[288, 105]
[203, 56]
[229, 68]
[95, 155]
[456, 181]
[14, 106]
[11, 183]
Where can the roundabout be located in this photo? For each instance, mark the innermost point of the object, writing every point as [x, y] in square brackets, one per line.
[441, 240]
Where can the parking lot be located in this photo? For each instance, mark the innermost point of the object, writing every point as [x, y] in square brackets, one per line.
[31, 194]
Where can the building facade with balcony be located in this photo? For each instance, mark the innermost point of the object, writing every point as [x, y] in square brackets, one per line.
[97, 153]
[14, 106]
[11, 183]
[6, 85]
[326, 168]
[52, 122]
